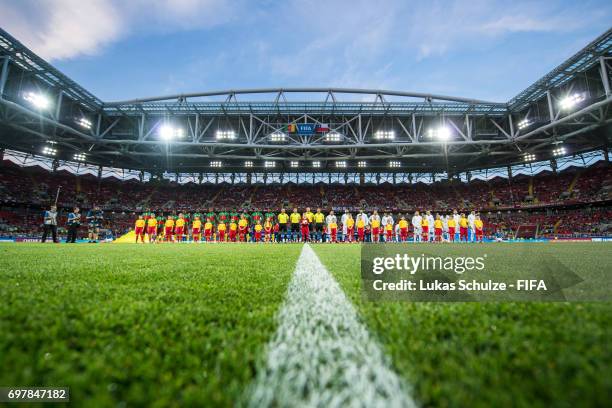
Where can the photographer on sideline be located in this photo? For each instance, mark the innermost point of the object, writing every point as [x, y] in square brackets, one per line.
[74, 222]
[50, 224]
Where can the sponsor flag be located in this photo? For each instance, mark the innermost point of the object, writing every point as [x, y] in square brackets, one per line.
[291, 128]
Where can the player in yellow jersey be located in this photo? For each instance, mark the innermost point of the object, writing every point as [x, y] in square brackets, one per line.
[283, 219]
[375, 226]
[295, 219]
[438, 228]
[139, 228]
[319, 224]
[169, 229]
[152, 229]
[196, 229]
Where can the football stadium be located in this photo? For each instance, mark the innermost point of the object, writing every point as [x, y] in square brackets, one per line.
[261, 246]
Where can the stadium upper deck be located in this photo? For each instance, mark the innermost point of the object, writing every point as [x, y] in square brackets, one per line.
[305, 129]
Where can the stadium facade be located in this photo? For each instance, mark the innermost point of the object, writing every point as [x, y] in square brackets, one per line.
[304, 134]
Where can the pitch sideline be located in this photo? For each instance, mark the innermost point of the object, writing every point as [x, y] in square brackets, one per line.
[321, 355]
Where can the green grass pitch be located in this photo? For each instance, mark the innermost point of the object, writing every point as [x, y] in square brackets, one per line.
[159, 325]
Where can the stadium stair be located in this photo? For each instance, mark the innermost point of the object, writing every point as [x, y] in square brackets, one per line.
[557, 224]
[573, 183]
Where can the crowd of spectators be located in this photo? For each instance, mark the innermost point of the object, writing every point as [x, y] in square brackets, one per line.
[506, 204]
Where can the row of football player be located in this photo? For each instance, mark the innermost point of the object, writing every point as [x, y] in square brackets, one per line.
[315, 226]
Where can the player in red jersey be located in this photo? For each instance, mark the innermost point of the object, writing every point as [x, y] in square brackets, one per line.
[305, 229]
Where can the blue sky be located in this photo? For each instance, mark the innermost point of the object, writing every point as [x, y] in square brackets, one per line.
[488, 50]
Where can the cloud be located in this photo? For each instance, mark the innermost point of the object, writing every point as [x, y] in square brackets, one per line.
[63, 29]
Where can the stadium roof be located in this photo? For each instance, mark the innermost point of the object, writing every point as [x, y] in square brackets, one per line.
[305, 129]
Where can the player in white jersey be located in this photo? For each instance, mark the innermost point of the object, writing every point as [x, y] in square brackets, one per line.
[417, 225]
[456, 217]
[471, 227]
[343, 219]
[445, 228]
[430, 222]
[386, 219]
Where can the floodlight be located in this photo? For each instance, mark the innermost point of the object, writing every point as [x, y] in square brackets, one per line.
[361, 164]
[341, 164]
[333, 137]
[226, 135]
[316, 164]
[39, 101]
[570, 101]
[216, 163]
[269, 164]
[294, 164]
[524, 123]
[440, 133]
[248, 163]
[559, 151]
[395, 164]
[278, 137]
[79, 156]
[168, 132]
[49, 151]
[384, 135]
[84, 122]
[529, 157]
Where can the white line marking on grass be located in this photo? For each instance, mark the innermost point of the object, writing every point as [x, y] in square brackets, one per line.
[321, 355]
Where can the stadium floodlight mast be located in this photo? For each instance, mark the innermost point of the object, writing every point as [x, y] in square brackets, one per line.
[225, 135]
[216, 164]
[384, 135]
[362, 163]
[395, 164]
[49, 151]
[559, 151]
[333, 137]
[570, 101]
[248, 163]
[168, 132]
[529, 157]
[441, 133]
[39, 101]
[294, 164]
[278, 137]
[84, 123]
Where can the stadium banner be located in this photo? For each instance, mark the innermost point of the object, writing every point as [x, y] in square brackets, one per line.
[307, 128]
[479, 273]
